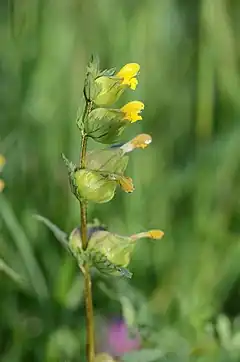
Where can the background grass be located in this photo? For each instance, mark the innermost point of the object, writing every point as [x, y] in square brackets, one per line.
[187, 181]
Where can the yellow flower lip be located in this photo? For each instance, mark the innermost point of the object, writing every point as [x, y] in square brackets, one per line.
[126, 184]
[155, 234]
[131, 111]
[151, 234]
[141, 141]
[128, 75]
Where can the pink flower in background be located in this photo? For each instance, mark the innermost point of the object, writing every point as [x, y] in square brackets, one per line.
[119, 341]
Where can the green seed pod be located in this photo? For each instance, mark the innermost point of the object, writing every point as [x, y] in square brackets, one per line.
[93, 186]
[115, 248]
[111, 253]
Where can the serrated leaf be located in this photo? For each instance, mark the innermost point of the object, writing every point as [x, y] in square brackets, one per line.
[60, 235]
[108, 72]
[69, 164]
[145, 355]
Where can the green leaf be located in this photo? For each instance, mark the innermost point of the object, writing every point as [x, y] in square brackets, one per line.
[145, 355]
[63, 345]
[60, 235]
[69, 164]
[13, 275]
[24, 247]
[128, 311]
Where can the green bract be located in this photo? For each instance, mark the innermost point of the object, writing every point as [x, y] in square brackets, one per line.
[109, 160]
[105, 125]
[110, 90]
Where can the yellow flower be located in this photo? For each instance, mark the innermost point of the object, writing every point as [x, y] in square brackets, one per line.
[128, 74]
[2, 185]
[151, 234]
[110, 87]
[2, 162]
[131, 111]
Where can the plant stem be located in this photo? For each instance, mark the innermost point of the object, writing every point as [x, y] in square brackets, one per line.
[90, 350]
[85, 268]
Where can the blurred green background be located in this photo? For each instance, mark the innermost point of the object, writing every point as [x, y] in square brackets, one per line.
[184, 296]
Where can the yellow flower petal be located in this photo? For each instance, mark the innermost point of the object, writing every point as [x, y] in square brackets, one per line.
[128, 73]
[133, 83]
[152, 234]
[2, 161]
[155, 234]
[126, 184]
[2, 185]
[131, 111]
[141, 141]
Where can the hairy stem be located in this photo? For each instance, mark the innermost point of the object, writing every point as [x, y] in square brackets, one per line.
[85, 268]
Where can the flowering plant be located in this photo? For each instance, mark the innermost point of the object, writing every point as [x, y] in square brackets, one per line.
[97, 176]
